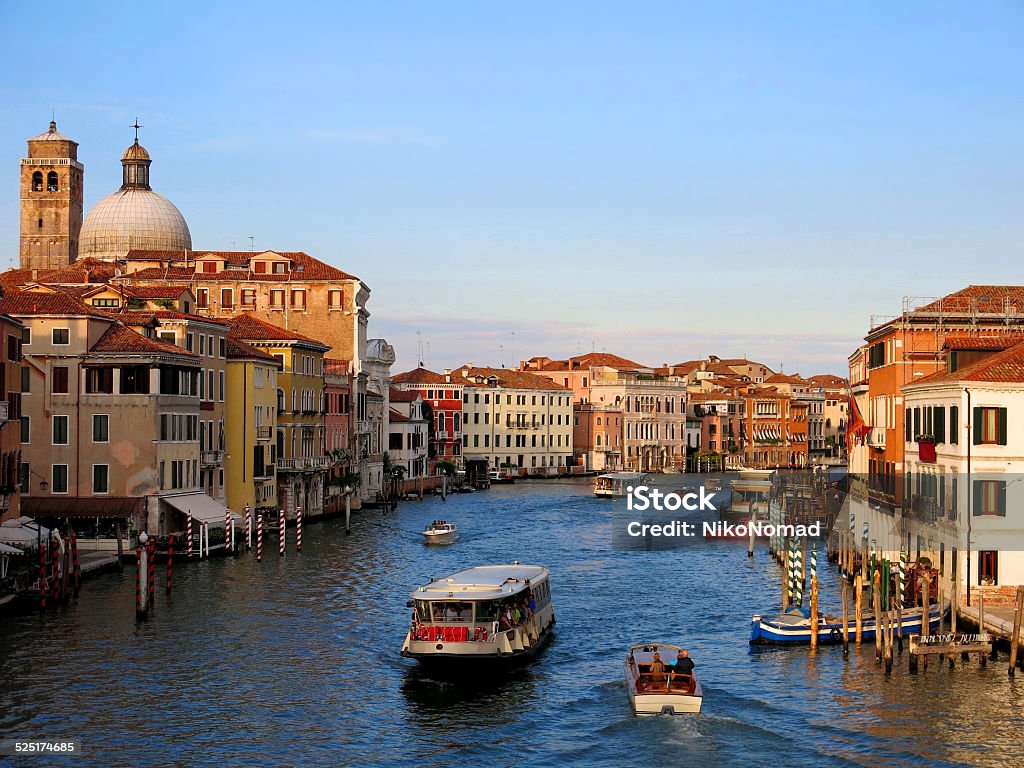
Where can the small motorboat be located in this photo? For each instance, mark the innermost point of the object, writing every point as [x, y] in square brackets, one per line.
[653, 690]
[440, 532]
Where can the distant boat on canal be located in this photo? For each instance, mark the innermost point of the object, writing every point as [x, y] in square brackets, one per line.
[616, 483]
[794, 626]
[441, 532]
[481, 616]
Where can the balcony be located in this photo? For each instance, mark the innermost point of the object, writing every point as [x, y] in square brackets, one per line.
[5, 410]
[442, 435]
[304, 464]
[211, 458]
[876, 437]
[363, 426]
[263, 433]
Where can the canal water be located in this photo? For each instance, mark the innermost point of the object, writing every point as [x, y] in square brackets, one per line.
[295, 661]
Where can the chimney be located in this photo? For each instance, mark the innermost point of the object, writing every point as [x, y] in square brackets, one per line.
[35, 274]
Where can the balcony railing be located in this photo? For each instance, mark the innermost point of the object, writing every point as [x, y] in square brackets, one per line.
[210, 458]
[442, 435]
[304, 463]
[876, 437]
[263, 473]
[5, 410]
[363, 426]
[262, 433]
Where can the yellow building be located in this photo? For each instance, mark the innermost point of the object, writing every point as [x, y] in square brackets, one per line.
[302, 460]
[251, 459]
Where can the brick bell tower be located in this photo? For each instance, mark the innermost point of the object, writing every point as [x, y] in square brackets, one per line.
[51, 201]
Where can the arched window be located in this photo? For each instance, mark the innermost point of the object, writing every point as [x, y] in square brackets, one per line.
[37, 181]
[51, 181]
[599, 421]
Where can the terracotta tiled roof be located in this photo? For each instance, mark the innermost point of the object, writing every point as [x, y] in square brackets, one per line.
[985, 342]
[507, 379]
[306, 267]
[250, 329]
[980, 298]
[782, 378]
[592, 360]
[419, 375]
[1005, 367]
[743, 361]
[82, 271]
[704, 397]
[154, 291]
[165, 273]
[403, 396]
[120, 339]
[828, 380]
[239, 350]
[140, 316]
[395, 416]
[26, 303]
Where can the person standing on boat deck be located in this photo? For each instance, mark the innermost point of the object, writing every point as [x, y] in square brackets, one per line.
[451, 613]
[684, 664]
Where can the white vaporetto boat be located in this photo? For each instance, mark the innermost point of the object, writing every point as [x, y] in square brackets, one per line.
[617, 483]
[489, 614]
[441, 532]
[654, 690]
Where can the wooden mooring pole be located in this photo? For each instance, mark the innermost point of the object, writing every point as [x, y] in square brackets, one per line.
[846, 622]
[981, 622]
[1015, 640]
[876, 605]
[858, 609]
[814, 612]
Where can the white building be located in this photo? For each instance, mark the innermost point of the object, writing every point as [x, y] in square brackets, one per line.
[517, 419]
[407, 443]
[965, 466]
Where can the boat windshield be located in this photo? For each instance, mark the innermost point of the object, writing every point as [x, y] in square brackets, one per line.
[444, 611]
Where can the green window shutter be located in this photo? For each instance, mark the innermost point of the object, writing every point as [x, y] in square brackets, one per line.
[954, 424]
[908, 425]
[1002, 426]
[977, 501]
[1001, 503]
[940, 424]
[976, 418]
[917, 422]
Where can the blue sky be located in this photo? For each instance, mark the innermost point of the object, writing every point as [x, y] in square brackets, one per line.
[659, 180]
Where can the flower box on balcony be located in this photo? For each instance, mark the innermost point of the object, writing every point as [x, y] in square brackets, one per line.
[926, 449]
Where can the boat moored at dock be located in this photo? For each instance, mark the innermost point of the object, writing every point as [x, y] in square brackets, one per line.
[794, 627]
[488, 614]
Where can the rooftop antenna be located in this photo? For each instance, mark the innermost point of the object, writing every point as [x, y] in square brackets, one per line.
[419, 347]
[136, 126]
[233, 243]
[252, 243]
[501, 354]
[428, 354]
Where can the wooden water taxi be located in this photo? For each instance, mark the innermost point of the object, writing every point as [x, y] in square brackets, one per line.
[794, 626]
[486, 615]
[653, 685]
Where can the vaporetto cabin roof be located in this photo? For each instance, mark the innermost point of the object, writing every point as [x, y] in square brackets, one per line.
[483, 582]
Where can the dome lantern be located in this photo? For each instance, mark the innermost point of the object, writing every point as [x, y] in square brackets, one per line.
[135, 164]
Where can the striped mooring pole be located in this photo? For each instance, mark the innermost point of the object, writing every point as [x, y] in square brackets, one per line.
[259, 538]
[188, 535]
[798, 573]
[814, 563]
[151, 574]
[76, 566]
[280, 531]
[298, 529]
[204, 535]
[248, 527]
[229, 543]
[43, 549]
[170, 561]
[54, 569]
[140, 567]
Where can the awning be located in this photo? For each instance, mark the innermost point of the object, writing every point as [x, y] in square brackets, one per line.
[121, 507]
[6, 549]
[23, 530]
[202, 508]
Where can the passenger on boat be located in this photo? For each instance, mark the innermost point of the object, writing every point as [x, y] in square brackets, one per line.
[657, 669]
[506, 618]
[684, 664]
[451, 613]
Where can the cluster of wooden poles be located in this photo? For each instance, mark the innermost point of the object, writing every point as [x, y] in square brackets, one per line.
[59, 572]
